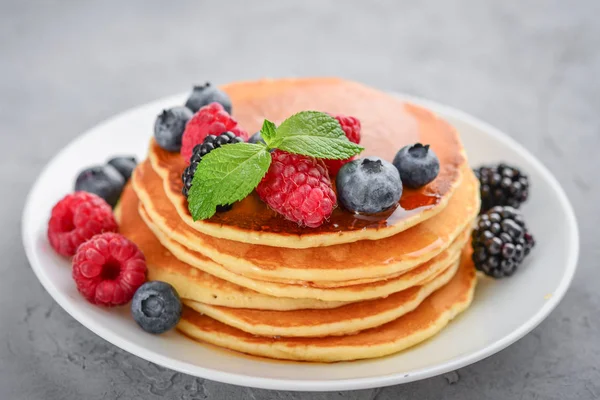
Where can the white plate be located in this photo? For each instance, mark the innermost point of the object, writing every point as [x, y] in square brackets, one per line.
[502, 311]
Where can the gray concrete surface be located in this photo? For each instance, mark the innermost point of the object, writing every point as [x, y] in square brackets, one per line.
[529, 67]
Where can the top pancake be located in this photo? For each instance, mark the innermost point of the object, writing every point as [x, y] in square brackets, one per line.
[387, 125]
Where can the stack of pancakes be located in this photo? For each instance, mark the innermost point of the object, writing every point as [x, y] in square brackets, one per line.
[360, 286]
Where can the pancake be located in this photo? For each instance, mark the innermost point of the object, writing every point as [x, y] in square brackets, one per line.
[432, 315]
[387, 125]
[193, 283]
[345, 320]
[352, 293]
[331, 266]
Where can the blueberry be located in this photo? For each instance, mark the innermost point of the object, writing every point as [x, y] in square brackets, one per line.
[206, 94]
[104, 181]
[368, 185]
[169, 127]
[125, 165]
[156, 307]
[256, 138]
[418, 165]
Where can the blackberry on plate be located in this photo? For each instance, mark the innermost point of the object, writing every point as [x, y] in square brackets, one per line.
[210, 143]
[501, 241]
[502, 185]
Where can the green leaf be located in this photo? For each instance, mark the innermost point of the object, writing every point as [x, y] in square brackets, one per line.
[268, 131]
[226, 175]
[314, 134]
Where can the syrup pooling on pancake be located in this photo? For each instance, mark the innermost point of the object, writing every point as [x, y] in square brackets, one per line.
[388, 124]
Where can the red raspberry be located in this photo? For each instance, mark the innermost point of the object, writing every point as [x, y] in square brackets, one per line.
[351, 127]
[108, 269]
[298, 187]
[209, 120]
[76, 218]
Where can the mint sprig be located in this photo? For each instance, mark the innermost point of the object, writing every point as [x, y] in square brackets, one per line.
[315, 134]
[230, 173]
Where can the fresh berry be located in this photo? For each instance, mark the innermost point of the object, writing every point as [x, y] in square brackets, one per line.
[256, 138]
[105, 181]
[351, 127]
[501, 241]
[368, 185]
[209, 120]
[502, 185]
[125, 165]
[298, 187]
[169, 127]
[206, 94]
[108, 269]
[76, 218]
[418, 165]
[156, 307]
[210, 142]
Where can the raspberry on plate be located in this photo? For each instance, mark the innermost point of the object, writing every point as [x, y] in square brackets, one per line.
[298, 187]
[108, 269]
[209, 120]
[351, 127]
[76, 218]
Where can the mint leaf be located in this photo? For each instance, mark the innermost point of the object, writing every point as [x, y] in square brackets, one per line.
[226, 175]
[268, 131]
[315, 134]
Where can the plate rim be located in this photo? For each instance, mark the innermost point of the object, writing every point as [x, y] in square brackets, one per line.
[332, 384]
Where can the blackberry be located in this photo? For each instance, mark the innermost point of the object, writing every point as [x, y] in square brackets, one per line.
[501, 241]
[502, 185]
[210, 143]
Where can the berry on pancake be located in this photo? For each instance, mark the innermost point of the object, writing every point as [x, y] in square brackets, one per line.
[76, 218]
[351, 127]
[210, 143]
[368, 185]
[298, 187]
[417, 164]
[206, 94]
[108, 269]
[209, 120]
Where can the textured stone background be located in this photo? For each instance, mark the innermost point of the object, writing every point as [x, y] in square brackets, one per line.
[529, 67]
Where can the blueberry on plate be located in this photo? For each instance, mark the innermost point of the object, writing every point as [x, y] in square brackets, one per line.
[206, 94]
[169, 127]
[256, 138]
[368, 185]
[156, 307]
[125, 165]
[104, 181]
[418, 165]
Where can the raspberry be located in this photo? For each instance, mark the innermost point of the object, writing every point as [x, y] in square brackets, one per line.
[76, 218]
[298, 187]
[209, 120]
[108, 269]
[351, 127]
